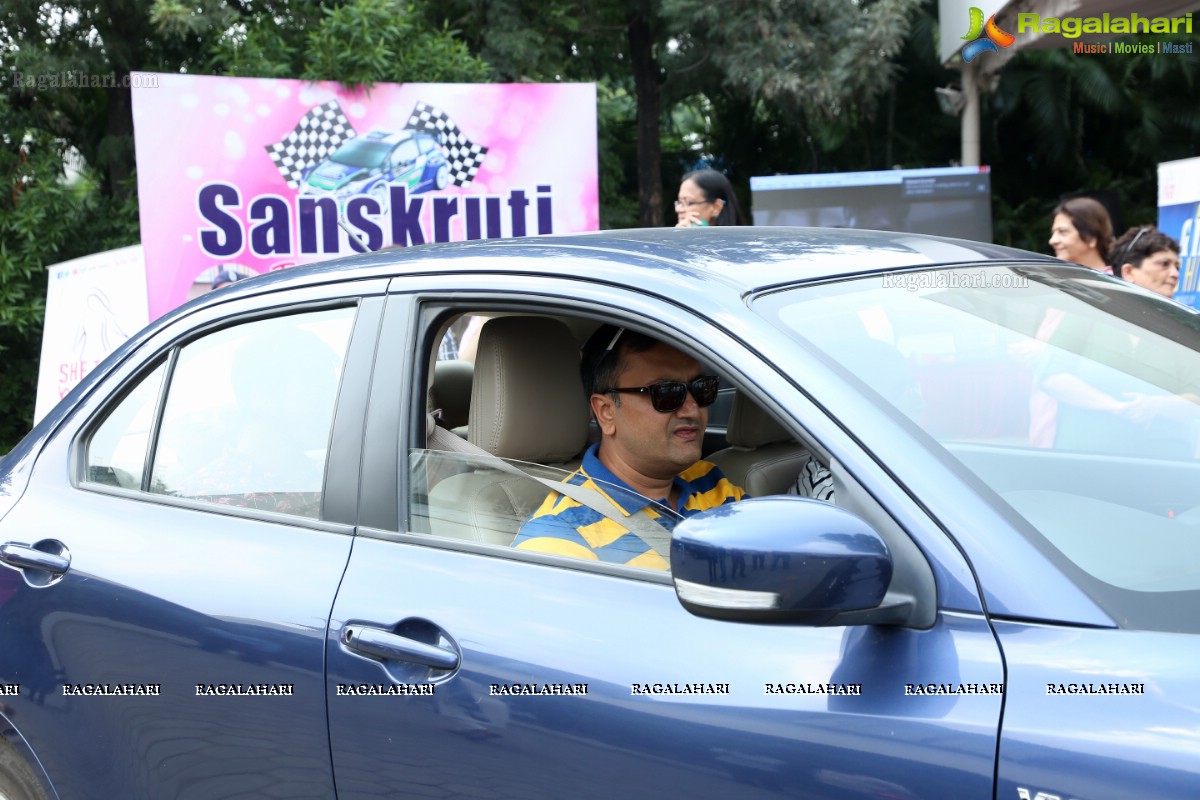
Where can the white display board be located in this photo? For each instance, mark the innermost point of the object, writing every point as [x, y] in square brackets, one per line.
[93, 304]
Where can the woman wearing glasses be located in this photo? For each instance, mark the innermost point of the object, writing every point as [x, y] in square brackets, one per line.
[706, 198]
[1149, 258]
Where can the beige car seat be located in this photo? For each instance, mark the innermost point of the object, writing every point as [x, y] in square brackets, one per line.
[762, 457]
[527, 405]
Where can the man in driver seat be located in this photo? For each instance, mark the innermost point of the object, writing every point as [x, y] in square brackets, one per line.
[650, 401]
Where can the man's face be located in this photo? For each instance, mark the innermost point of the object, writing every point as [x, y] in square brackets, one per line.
[654, 443]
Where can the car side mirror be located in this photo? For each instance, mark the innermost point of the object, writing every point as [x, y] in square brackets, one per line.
[780, 559]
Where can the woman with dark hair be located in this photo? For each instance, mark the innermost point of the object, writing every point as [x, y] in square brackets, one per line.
[706, 198]
[1149, 258]
[1082, 232]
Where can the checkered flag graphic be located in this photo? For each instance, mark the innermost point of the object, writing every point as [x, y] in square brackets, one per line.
[316, 136]
[465, 156]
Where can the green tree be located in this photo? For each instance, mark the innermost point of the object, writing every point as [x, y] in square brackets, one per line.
[42, 221]
[818, 60]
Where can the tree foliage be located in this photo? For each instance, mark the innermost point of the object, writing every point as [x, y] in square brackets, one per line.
[1060, 123]
[42, 221]
[812, 59]
[356, 42]
[360, 43]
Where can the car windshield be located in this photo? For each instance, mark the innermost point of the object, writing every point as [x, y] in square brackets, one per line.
[1075, 398]
[363, 153]
[406, 153]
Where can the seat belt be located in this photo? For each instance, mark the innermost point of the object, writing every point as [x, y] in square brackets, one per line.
[641, 524]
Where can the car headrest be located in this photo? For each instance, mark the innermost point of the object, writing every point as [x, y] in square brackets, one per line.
[527, 398]
[451, 391]
[750, 426]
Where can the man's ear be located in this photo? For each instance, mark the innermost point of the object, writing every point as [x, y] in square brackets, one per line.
[604, 407]
[1126, 271]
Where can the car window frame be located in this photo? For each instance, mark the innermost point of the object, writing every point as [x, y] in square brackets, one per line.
[422, 305]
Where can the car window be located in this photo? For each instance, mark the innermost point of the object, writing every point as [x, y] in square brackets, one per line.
[969, 356]
[116, 453]
[405, 153]
[496, 477]
[248, 413]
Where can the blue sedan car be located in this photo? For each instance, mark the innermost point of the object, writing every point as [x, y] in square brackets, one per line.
[265, 549]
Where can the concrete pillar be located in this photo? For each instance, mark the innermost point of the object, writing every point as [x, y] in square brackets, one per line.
[970, 115]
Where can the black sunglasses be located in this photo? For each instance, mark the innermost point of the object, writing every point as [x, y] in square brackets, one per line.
[669, 396]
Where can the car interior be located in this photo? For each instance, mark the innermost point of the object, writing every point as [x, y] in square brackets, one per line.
[532, 411]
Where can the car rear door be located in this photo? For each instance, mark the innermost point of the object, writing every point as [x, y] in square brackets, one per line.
[167, 612]
[464, 669]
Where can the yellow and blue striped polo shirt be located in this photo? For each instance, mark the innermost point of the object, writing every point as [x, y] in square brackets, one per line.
[565, 527]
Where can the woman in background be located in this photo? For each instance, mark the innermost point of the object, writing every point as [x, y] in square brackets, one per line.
[706, 198]
[1082, 232]
[1149, 258]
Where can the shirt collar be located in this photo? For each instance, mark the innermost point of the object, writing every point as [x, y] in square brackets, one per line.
[621, 493]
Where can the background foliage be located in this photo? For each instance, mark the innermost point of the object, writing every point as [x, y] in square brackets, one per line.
[756, 87]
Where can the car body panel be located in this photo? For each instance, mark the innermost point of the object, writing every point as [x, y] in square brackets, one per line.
[158, 594]
[176, 594]
[1099, 746]
[466, 600]
[611, 633]
[745, 260]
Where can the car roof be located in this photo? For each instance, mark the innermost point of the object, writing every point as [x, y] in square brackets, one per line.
[746, 259]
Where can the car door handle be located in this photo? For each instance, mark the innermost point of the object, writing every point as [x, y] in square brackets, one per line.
[385, 644]
[24, 556]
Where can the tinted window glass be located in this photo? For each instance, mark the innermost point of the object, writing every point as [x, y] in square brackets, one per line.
[249, 411]
[116, 454]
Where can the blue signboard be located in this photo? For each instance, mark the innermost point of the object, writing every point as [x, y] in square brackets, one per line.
[1179, 217]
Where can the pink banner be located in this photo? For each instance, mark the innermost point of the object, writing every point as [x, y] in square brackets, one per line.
[244, 175]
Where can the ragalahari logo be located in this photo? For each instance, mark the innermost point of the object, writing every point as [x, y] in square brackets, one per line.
[995, 36]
